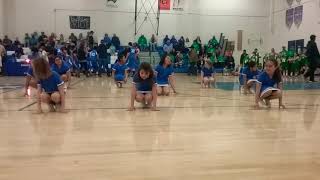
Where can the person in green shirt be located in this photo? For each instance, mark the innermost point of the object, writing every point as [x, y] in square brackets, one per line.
[213, 42]
[196, 46]
[27, 39]
[244, 58]
[284, 61]
[142, 42]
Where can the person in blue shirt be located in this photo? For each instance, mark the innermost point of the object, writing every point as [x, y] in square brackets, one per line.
[144, 88]
[265, 88]
[50, 86]
[115, 41]
[107, 40]
[30, 81]
[165, 76]
[104, 58]
[207, 74]
[120, 71]
[132, 60]
[249, 75]
[93, 60]
[62, 69]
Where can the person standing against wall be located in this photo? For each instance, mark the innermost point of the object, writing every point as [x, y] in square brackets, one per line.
[313, 57]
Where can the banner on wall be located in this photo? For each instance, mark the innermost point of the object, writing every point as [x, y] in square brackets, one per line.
[79, 22]
[289, 17]
[178, 5]
[164, 4]
[298, 14]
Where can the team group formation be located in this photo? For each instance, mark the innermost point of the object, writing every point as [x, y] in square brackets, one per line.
[56, 60]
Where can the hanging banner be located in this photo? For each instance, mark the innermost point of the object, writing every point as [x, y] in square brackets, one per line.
[289, 17]
[178, 5]
[298, 14]
[164, 4]
[79, 22]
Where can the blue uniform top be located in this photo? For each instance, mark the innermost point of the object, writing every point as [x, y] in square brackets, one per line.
[143, 85]
[120, 69]
[93, 55]
[51, 84]
[30, 72]
[163, 74]
[266, 81]
[207, 72]
[250, 74]
[62, 70]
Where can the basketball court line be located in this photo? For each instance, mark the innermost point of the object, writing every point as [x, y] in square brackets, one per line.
[249, 107]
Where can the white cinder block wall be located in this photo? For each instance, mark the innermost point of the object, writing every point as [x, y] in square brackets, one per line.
[2, 18]
[201, 17]
[281, 34]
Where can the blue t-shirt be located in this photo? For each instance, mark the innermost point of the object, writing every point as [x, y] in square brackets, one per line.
[266, 81]
[250, 74]
[93, 55]
[120, 69]
[143, 85]
[30, 72]
[62, 70]
[51, 84]
[163, 74]
[207, 72]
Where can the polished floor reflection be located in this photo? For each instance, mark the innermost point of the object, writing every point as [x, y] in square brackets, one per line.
[198, 134]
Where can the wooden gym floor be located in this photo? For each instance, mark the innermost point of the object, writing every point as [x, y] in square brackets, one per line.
[198, 134]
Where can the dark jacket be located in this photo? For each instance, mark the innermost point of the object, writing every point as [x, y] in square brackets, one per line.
[103, 51]
[313, 53]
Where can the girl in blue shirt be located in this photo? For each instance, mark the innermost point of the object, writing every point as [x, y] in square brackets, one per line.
[50, 86]
[248, 76]
[265, 88]
[207, 75]
[165, 76]
[144, 89]
[120, 71]
[62, 68]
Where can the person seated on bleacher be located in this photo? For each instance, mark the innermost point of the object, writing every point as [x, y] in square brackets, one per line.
[106, 40]
[16, 42]
[19, 51]
[142, 42]
[61, 39]
[73, 39]
[187, 43]
[168, 47]
[33, 41]
[6, 42]
[213, 42]
[196, 46]
[42, 38]
[181, 44]
[165, 40]
[174, 42]
[115, 41]
[153, 43]
[27, 40]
